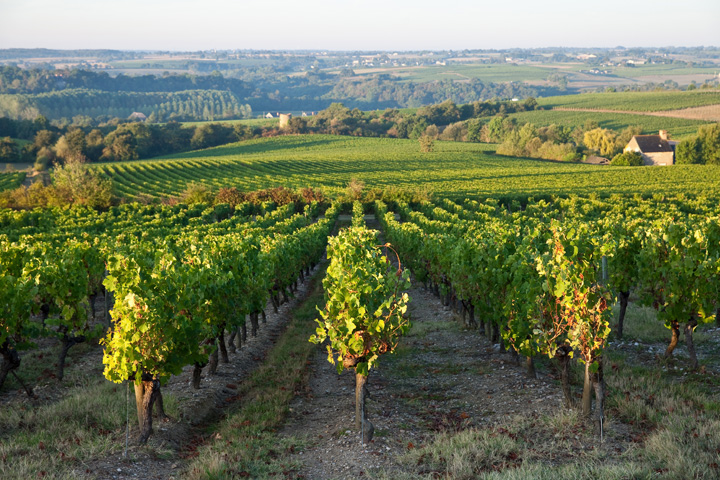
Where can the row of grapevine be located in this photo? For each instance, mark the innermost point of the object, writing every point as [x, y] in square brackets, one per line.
[534, 277]
[178, 287]
[365, 310]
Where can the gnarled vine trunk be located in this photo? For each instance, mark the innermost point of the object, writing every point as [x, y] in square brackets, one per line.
[471, 315]
[66, 343]
[213, 362]
[692, 323]
[275, 301]
[254, 323]
[362, 424]
[231, 341]
[562, 354]
[624, 298]
[530, 364]
[197, 375]
[495, 333]
[675, 329]
[587, 392]
[223, 350]
[11, 361]
[146, 393]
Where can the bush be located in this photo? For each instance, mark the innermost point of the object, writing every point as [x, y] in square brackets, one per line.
[427, 144]
[232, 196]
[77, 184]
[197, 193]
[627, 159]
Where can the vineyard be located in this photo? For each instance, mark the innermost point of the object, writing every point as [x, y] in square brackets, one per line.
[182, 105]
[634, 101]
[11, 180]
[175, 293]
[453, 169]
[679, 127]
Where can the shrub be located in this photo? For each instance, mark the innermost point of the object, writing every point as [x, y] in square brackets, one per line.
[232, 196]
[77, 184]
[627, 159]
[197, 193]
[427, 144]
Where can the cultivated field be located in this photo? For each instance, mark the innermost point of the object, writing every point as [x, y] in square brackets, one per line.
[635, 101]
[453, 169]
[650, 122]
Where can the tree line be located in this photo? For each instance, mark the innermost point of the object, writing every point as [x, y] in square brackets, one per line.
[126, 141]
[88, 106]
[704, 148]
[270, 91]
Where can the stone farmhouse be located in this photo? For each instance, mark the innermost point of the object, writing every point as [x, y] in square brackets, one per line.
[655, 149]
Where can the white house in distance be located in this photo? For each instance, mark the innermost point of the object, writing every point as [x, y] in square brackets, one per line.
[138, 116]
[655, 149]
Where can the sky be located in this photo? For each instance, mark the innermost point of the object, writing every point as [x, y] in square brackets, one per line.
[186, 25]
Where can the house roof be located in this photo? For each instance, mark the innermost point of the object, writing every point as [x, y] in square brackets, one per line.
[652, 143]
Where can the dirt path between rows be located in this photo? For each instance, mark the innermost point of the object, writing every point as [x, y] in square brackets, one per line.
[441, 378]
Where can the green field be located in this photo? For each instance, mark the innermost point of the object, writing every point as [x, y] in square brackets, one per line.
[11, 180]
[635, 101]
[663, 69]
[453, 169]
[486, 73]
[677, 127]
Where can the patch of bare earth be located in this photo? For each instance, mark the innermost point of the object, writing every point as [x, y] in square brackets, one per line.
[441, 378]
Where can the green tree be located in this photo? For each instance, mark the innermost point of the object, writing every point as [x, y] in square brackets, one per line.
[72, 145]
[44, 138]
[689, 151]
[9, 151]
[709, 135]
[76, 183]
[601, 140]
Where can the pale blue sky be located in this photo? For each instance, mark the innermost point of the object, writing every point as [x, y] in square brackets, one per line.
[356, 24]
